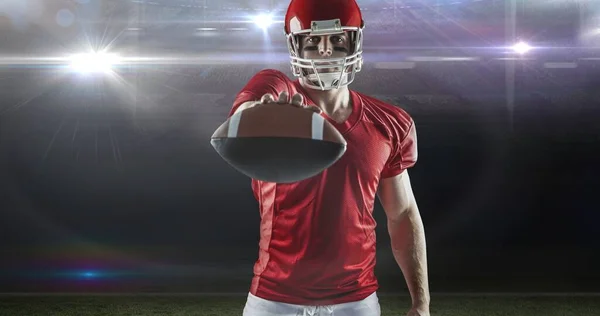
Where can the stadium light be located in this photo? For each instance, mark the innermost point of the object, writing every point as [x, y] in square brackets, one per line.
[521, 48]
[93, 62]
[263, 20]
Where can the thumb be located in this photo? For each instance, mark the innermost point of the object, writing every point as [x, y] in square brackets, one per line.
[315, 109]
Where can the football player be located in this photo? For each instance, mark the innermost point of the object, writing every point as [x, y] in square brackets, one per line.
[317, 244]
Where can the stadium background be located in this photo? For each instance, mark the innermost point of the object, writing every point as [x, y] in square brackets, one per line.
[109, 182]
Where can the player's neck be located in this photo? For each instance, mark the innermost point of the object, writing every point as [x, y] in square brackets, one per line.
[331, 101]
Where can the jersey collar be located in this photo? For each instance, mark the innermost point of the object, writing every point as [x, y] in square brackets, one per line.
[350, 122]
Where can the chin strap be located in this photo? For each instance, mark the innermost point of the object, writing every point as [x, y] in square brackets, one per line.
[326, 81]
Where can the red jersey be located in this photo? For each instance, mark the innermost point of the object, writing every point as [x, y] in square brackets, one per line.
[317, 244]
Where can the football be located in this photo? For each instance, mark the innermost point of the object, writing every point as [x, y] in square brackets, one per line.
[278, 143]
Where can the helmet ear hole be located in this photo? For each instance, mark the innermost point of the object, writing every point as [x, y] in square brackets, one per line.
[353, 36]
[298, 43]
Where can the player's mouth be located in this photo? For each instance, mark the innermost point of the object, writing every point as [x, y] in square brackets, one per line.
[330, 69]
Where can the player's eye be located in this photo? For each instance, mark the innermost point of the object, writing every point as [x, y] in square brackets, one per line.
[313, 39]
[337, 39]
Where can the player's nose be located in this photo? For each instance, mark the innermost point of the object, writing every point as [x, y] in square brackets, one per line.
[325, 49]
[325, 52]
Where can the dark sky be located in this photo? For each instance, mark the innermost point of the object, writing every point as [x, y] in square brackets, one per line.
[104, 179]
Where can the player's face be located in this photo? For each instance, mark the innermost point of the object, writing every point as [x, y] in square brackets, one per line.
[325, 47]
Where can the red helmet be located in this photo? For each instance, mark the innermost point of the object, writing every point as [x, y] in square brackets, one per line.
[325, 17]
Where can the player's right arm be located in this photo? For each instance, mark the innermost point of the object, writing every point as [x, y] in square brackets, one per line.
[267, 86]
[296, 100]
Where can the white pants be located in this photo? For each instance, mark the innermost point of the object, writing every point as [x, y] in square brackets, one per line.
[256, 306]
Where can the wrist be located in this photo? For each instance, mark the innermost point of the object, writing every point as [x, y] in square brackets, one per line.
[421, 304]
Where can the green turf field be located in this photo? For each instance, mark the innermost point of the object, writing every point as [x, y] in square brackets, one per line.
[188, 305]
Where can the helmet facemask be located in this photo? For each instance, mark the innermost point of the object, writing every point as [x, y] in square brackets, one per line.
[313, 70]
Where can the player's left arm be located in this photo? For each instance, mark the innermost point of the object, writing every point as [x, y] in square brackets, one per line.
[407, 236]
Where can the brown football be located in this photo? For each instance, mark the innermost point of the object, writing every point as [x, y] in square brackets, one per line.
[278, 143]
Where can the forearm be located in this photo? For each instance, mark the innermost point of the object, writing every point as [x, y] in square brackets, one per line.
[409, 248]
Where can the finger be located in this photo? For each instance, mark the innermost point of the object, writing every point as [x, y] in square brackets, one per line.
[315, 109]
[267, 98]
[254, 104]
[297, 99]
[283, 98]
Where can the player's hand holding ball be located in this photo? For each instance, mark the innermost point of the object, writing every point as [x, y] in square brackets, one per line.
[297, 100]
[279, 140]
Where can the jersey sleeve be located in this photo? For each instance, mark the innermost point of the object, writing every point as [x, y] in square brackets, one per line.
[404, 154]
[265, 81]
